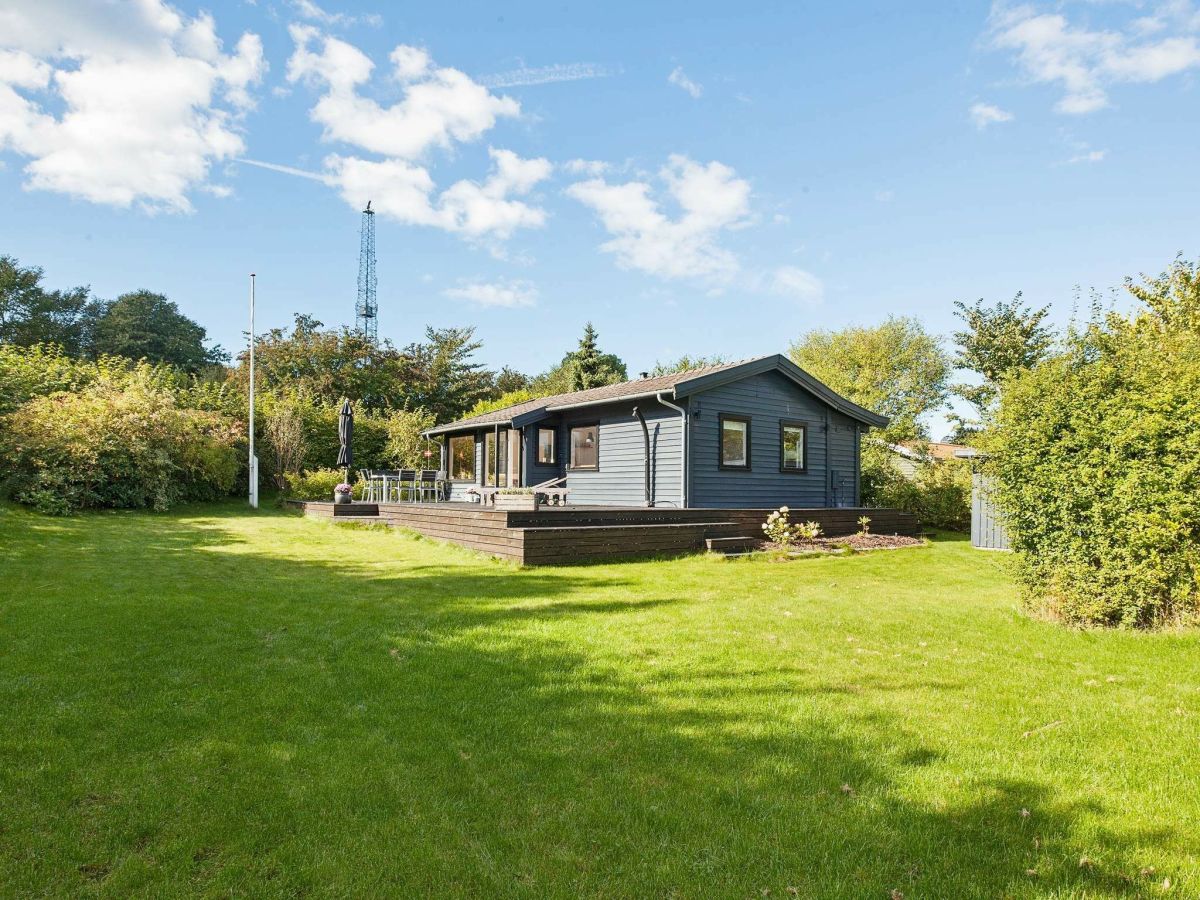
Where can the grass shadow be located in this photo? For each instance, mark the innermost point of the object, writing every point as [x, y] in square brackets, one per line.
[199, 710]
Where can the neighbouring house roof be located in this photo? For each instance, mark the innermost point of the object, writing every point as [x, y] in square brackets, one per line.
[936, 450]
[676, 384]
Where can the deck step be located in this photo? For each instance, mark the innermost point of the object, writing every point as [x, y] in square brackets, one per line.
[732, 544]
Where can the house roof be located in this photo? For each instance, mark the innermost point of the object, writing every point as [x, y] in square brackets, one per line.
[677, 384]
[936, 450]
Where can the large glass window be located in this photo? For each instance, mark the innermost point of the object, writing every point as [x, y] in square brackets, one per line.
[585, 447]
[545, 451]
[792, 441]
[735, 442]
[462, 458]
[496, 459]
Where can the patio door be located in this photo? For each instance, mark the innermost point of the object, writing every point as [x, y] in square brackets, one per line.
[502, 458]
[514, 457]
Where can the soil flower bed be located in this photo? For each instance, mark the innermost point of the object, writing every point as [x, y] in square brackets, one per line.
[855, 542]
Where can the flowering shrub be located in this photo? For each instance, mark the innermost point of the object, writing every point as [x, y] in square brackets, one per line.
[117, 443]
[808, 531]
[779, 529]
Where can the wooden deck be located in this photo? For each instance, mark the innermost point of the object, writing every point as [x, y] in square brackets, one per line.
[558, 535]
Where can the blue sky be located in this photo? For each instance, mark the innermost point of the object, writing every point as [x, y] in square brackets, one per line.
[692, 177]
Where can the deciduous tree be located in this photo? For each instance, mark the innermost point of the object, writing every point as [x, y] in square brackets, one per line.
[896, 368]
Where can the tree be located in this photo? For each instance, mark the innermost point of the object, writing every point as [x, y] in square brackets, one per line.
[29, 314]
[512, 398]
[446, 379]
[606, 368]
[588, 365]
[406, 447]
[687, 363]
[998, 342]
[284, 433]
[328, 365]
[895, 368]
[146, 325]
[509, 380]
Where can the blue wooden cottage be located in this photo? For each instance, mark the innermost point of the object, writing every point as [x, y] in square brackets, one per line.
[751, 434]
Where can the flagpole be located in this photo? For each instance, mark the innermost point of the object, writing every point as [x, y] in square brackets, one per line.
[253, 462]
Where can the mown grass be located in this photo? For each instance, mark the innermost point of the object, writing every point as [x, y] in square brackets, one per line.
[217, 703]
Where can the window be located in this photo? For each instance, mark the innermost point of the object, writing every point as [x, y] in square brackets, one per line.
[735, 442]
[545, 449]
[462, 458]
[793, 446]
[585, 447]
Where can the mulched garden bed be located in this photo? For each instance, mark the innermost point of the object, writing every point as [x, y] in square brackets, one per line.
[856, 542]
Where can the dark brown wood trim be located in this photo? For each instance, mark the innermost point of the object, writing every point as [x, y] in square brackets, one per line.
[571, 467]
[733, 417]
[794, 423]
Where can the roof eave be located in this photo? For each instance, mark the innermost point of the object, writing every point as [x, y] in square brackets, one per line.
[621, 399]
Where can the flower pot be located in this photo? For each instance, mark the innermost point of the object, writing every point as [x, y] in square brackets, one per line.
[517, 502]
[342, 498]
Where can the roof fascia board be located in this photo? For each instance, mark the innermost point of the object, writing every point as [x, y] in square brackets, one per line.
[564, 407]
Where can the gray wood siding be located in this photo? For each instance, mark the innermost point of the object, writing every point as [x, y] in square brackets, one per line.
[532, 472]
[620, 478]
[769, 399]
[845, 436]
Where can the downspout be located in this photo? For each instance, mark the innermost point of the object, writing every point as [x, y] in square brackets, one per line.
[683, 449]
[645, 452]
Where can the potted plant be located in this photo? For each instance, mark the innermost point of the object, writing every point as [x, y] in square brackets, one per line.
[341, 493]
[522, 499]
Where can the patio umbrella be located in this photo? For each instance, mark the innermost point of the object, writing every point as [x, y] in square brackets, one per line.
[345, 457]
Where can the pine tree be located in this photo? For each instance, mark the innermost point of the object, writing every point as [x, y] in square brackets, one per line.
[589, 367]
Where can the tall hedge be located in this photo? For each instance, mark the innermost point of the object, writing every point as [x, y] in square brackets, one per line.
[1095, 455]
[117, 443]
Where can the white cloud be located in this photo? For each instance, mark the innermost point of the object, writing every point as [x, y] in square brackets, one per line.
[307, 9]
[121, 104]
[1085, 62]
[503, 293]
[527, 76]
[440, 106]
[593, 167]
[985, 114]
[680, 80]
[790, 281]
[711, 199]
[477, 210]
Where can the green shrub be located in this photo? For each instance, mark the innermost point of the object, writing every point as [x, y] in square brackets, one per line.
[406, 448]
[939, 495]
[1095, 461]
[317, 484]
[117, 443]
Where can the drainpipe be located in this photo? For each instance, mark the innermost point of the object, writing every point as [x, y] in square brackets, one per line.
[645, 451]
[683, 449]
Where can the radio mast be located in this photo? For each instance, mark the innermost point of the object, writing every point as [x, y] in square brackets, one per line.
[366, 310]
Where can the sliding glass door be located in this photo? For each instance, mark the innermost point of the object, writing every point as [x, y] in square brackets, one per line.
[503, 458]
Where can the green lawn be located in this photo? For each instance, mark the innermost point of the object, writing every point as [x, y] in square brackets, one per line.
[216, 703]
